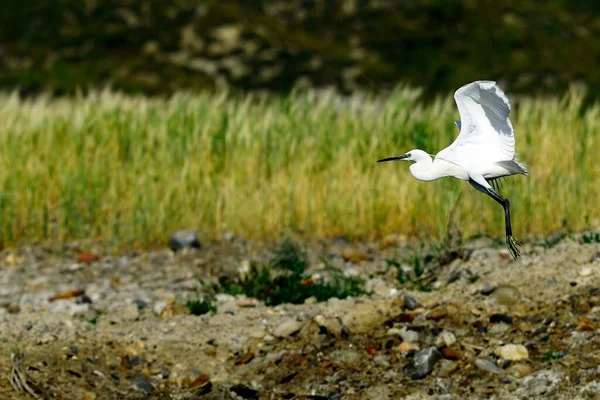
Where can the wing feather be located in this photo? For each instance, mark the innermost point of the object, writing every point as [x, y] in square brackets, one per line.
[485, 127]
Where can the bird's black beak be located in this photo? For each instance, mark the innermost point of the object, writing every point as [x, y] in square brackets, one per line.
[395, 158]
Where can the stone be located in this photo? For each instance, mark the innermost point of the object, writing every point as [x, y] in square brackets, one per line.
[446, 338]
[141, 383]
[410, 336]
[354, 254]
[520, 370]
[506, 295]
[447, 367]
[287, 328]
[498, 329]
[331, 325]
[184, 239]
[421, 365]
[363, 317]
[129, 312]
[488, 366]
[410, 303]
[512, 352]
[406, 347]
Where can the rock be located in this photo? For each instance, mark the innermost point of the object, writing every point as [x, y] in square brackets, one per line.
[87, 257]
[363, 317]
[287, 328]
[184, 239]
[88, 396]
[381, 361]
[141, 383]
[375, 393]
[244, 392]
[446, 338]
[543, 382]
[488, 366]
[437, 313]
[409, 336]
[378, 286]
[451, 354]
[129, 312]
[487, 289]
[506, 295]
[587, 271]
[513, 352]
[345, 356]
[520, 370]
[410, 303]
[354, 254]
[447, 367]
[13, 308]
[406, 347]
[585, 325]
[331, 325]
[422, 363]
[498, 329]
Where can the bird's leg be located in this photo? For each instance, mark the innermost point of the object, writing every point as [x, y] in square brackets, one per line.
[513, 244]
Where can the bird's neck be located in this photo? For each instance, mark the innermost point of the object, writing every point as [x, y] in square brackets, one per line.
[423, 169]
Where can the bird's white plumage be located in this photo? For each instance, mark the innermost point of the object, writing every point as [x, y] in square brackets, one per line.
[486, 133]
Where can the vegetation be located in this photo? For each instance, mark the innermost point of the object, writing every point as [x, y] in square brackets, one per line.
[130, 169]
[284, 280]
[200, 306]
[159, 46]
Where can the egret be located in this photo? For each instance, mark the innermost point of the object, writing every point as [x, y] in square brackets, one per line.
[483, 151]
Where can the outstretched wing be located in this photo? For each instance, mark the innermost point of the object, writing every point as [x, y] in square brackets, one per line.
[485, 127]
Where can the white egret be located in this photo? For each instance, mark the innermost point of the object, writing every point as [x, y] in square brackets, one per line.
[483, 152]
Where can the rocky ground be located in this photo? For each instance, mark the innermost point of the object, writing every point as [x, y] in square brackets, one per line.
[91, 325]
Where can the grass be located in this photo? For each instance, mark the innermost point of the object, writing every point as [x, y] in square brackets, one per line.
[130, 170]
[283, 280]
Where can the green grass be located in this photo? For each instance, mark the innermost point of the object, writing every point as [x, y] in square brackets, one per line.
[283, 280]
[130, 170]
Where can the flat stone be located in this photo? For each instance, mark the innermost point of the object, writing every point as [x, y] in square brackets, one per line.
[513, 352]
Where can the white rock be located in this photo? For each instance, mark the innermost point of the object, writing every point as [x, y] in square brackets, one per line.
[446, 337]
[513, 352]
[287, 328]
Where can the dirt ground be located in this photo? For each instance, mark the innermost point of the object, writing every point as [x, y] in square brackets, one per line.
[77, 326]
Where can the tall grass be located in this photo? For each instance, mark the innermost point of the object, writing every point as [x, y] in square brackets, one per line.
[131, 170]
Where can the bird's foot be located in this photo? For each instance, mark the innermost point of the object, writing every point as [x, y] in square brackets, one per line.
[514, 246]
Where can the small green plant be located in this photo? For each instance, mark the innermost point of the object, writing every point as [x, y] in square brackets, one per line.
[552, 355]
[201, 306]
[283, 280]
[590, 237]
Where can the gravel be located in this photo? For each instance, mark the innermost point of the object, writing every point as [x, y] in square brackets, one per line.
[118, 326]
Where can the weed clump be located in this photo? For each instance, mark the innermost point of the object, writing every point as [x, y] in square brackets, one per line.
[283, 280]
[201, 306]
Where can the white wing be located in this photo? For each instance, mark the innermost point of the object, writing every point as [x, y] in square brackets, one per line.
[485, 128]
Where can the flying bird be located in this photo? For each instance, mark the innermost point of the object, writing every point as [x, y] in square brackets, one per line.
[483, 152]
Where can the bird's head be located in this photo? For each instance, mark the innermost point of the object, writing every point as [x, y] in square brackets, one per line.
[413, 155]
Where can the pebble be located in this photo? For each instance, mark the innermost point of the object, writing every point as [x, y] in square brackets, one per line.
[587, 271]
[287, 328]
[130, 312]
[447, 367]
[506, 295]
[409, 336]
[410, 303]
[331, 325]
[353, 254]
[437, 313]
[345, 356]
[141, 383]
[88, 396]
[520, 370]
[487, 289]
[488, 366]
[381, 361]
[513, 352]
[422, 363]
[405, 347]
[445, 338]
[585, 325]
[184, 239]
[363, 317]
[497, 329]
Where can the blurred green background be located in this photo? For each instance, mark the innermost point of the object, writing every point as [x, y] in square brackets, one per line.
[157, 46]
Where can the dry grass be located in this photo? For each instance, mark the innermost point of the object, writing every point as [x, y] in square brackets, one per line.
[131, 170]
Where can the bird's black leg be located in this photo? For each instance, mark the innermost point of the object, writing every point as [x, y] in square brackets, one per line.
[512, 243]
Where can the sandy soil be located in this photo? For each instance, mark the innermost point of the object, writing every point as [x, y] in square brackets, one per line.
[122, 330]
